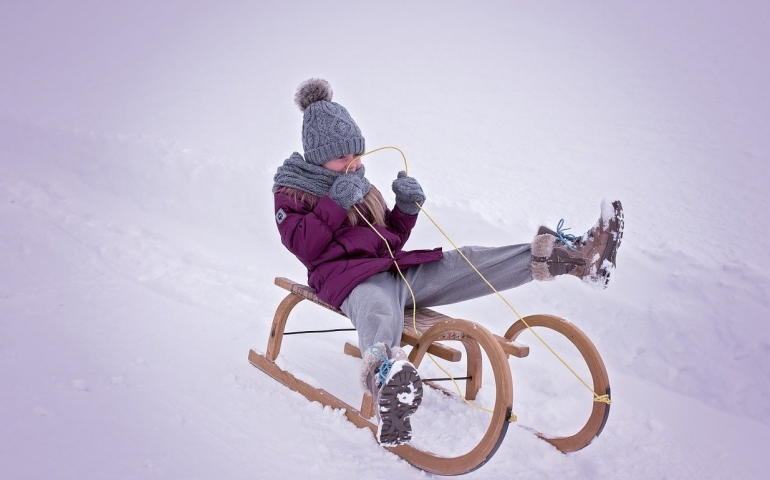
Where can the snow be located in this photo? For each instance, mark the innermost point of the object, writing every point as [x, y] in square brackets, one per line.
[608, 212]
[137, 247]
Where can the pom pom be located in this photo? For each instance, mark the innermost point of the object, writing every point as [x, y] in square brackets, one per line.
[311, 91]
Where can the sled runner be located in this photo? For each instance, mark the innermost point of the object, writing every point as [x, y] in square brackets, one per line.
[438, 335]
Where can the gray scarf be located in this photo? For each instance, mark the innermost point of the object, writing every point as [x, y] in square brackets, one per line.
[313, 179]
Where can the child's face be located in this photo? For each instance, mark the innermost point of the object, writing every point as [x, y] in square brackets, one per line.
[341, 164]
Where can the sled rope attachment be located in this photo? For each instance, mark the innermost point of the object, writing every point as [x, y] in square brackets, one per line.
[597, 398]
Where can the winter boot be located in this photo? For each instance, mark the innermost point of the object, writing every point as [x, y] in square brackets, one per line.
[397, 389]
[590, 257]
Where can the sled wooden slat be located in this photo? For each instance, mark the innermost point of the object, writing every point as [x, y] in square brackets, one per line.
[305, 292]
[512, 348]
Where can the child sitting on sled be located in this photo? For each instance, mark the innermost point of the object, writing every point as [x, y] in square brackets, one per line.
[351, 268]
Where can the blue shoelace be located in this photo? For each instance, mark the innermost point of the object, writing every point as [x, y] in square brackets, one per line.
[384, 369]
[567, 239]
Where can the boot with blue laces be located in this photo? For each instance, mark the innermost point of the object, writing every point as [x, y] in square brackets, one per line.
[397, 389]
[590, 257]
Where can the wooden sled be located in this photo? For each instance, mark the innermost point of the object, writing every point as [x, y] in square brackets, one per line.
[435, 331]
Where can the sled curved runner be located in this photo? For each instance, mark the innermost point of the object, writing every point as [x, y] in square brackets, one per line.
[601, 383]
[434, 330]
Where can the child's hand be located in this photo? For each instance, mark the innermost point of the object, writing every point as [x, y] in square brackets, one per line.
[408, 191]
[347, 190]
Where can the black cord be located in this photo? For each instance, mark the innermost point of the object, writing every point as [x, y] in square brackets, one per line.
[445, 379]
[321, 331]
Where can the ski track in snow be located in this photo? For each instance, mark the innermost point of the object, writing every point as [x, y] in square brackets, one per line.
[136, 268]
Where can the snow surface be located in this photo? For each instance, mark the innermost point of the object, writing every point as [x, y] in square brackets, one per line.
[137, 146]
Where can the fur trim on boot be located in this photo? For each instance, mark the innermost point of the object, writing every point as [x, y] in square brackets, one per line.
[370, 362]
[542, 247]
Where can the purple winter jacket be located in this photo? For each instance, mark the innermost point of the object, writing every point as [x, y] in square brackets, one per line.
[339, 256]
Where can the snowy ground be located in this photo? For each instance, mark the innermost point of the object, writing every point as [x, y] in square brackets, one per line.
[137, 246]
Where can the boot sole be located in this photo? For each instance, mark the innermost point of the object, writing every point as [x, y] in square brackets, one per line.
[399, 398]
[617, 224]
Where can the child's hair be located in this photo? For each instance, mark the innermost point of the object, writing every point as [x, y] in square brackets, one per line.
[374, 205]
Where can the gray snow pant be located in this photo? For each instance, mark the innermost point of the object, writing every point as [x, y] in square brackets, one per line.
[376, 306]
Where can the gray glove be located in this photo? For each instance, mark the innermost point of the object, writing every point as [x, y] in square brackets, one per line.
[347, 190]
[408, 191]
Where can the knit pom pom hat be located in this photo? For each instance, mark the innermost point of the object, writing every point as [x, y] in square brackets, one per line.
[328, 130]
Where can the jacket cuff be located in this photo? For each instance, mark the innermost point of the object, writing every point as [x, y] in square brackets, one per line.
[401, 220]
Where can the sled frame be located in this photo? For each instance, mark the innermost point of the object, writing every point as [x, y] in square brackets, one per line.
[433, 329]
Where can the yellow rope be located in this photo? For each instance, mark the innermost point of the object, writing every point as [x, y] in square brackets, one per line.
[597, 398]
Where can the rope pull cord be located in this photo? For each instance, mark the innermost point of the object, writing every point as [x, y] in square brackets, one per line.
[560, 233]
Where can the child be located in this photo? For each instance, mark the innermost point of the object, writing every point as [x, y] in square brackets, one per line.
[350, 267]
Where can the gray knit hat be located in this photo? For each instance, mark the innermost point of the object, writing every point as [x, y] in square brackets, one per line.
[328, 130]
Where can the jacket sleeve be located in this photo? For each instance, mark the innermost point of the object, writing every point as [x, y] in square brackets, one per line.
[307, 233]
[402, 224]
